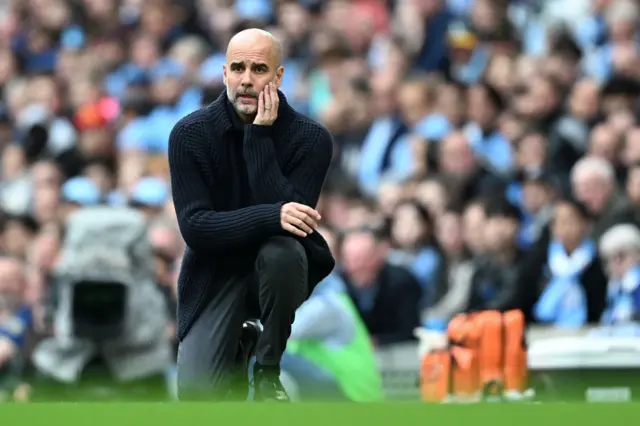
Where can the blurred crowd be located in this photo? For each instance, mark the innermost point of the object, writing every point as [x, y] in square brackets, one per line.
[487, 152]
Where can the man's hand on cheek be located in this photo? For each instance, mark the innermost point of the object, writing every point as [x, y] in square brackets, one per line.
[268, 103]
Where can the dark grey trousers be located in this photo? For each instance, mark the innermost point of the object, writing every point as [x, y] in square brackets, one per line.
[209, 366]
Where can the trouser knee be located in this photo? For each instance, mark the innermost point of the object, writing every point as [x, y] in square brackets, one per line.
[283, 267]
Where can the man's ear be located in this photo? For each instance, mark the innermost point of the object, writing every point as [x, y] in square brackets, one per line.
[224, 74]
[279, 74]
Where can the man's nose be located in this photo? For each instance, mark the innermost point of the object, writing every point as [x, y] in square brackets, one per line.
[246, 80]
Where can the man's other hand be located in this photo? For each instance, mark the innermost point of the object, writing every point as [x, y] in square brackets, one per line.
[298, 219]
[268, 103]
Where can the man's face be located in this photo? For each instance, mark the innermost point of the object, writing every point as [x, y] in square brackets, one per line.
[16, 238]
[603, 143]
[531, 152]
[361, 258]
[594, 191]
[43, 90]
[251, 65]
[500, 233]
[535, 196]
[584, 100]
[543, 96]
[480, 109]
[294, 19]
[389, 194]
[567, 226]
[46, 201]
[412, 102]
[456, 157]
[13, 161]
[449, 100]
[620, 262]
[167, 90]
[45, 175]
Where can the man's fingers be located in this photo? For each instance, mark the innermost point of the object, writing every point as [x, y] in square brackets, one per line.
[309, 220]
[292, 229]
[307, 210]
[261, 104]
[275, 100]
[299, 222]
[305, 217]
[311, 212]
[299, 219]
[268, 104]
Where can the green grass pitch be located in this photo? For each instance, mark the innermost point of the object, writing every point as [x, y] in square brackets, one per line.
[312, 414]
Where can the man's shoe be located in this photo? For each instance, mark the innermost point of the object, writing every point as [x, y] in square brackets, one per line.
[267, 385]
[249, 336]
[251, 332]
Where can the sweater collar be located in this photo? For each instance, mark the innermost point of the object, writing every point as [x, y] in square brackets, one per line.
[236, 122]
[224, 114]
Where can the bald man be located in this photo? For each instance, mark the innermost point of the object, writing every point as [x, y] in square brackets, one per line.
[246, 174]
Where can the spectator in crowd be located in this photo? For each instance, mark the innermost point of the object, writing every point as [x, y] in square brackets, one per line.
[473, 224]
[412, 230]
[495, 283]
[488, 143]
[573, 281]
[431, 192]
[594, 184]
[386, 296]
[537, 209]
[620, 248]
[454, 279]
[17, 233]
[468, 175]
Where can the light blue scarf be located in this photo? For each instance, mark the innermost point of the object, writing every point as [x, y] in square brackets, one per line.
[622, 298]
[563, 301]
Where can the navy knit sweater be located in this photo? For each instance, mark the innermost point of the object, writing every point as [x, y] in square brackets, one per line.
[229, 181]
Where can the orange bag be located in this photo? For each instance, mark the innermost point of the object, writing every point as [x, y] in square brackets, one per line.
[435, 376]
[490, 351]
[486, 355]
[515, 352]
[464, 334]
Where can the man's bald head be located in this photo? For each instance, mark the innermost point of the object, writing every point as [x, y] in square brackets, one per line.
[252, 61]
[256, 37]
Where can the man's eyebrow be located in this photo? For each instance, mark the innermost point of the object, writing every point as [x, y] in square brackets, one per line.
[253, 64]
